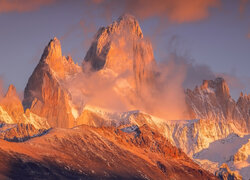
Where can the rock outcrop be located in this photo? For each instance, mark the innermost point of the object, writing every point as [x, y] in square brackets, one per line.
[120, 47]
[243, 104]
[212, 101]
[13, 105]
[44, 94]
[19, 132]
[224, 173]
[12, 112]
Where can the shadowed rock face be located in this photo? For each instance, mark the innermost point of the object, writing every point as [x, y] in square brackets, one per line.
[94, 153]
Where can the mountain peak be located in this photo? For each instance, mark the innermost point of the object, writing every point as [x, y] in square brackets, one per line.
[11, 91]
[116, 45]
[128, 18]
[125, 25]
[219, 85]
[129, 23]
[52, 51]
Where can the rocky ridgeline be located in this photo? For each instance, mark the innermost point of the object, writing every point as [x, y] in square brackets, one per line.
[212, 101]
[121, 49]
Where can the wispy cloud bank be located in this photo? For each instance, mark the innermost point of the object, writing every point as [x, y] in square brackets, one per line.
[176, 11]
[23, 5]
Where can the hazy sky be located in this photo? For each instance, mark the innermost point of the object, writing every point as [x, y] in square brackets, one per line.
[209, 32]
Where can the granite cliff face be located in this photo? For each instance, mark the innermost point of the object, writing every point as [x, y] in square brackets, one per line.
[121, 48]
[44, 95]
[212, 101]
[13, 105]
[243, 105]
[12, 112]
[118, 52]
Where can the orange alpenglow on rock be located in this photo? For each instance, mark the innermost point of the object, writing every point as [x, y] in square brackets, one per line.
[13, 105]
[121, 48]
[43, 94]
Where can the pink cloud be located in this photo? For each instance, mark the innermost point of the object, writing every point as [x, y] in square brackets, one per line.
[175, 10]
[23, 5]
[243, 4]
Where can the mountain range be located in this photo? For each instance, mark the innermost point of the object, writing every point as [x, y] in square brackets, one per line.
[101, 119]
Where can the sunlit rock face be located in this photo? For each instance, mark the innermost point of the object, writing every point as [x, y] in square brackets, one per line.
[121, 48]
[243, 104]
[12, 112]
[44, 94]
[12, 105]
[86, 152]
[212, 101]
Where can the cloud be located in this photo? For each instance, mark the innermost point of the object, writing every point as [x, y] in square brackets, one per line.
[178, 11]
[23, 5]
[243, 4]
[232, 80]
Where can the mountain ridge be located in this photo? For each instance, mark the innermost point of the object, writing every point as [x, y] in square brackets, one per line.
[121, 58]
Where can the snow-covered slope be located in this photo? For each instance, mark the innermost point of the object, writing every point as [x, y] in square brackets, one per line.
[190, 135]
[194, 137]
[233, 150]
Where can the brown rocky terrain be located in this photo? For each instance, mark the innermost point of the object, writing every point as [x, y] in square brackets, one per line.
[97, 153]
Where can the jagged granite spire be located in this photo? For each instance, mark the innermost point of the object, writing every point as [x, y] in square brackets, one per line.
[212, 101]
[219, 85]
[44, 95]
[11, 91]
[121, 48]
[12, 104]
[116, 44]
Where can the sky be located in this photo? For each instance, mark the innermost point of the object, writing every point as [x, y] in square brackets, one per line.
[211, 33]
